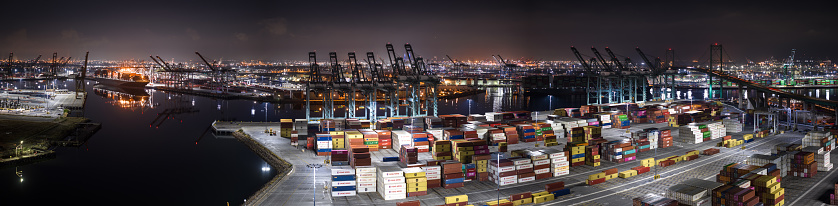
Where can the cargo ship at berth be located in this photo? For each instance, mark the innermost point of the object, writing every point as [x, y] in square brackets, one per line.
[120, 79]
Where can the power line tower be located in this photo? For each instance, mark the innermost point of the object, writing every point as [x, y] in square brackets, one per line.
[669, 58]
[80, 87]
[716, 62]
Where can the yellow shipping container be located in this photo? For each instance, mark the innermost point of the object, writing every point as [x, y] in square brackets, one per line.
[774, 187]
[775, 194]
[416, 181]
[765, 181]
[542, 198]
[456, 199]
[417, 189]
[522, 201]
[496, 202]
[648, 162]
[628, 173]
[596, 176]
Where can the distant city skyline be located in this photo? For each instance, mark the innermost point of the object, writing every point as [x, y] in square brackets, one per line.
[465, 30]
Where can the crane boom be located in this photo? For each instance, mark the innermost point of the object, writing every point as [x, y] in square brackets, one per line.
[205, 61]
[452, 60]
[36, 59]
[337, 74]
[581, 59]
[157, 62]
[66, 61]
[356, 73]
[414, 61]
[313, 69]
[615, 60]
[374, 67]
[164, 63]
[602, 60]
[652, 66]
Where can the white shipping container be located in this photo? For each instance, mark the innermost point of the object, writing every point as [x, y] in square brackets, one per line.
[561, 168]
[523, 161]
[343, 170]
[343, 193]
[365, 169]
[366, 179]
[502, 169]
[560, 164]
[390, 191]
[559, 159]
[365, 184]
[395, 196]
[431, 168]
[366, 189]
[541, 162]
[542, 171]
[507, 178]
[557, 155]
[360, 175]
[526, 179]
[560, 173]
[343, 183]
[391, 180]
[506, 182]
[523, 166]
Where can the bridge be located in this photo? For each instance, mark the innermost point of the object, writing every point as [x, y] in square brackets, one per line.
[764, 89]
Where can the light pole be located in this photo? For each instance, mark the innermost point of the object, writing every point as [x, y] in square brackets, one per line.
[469, 106]
[314, 181]
[497, 155]
[550, 97]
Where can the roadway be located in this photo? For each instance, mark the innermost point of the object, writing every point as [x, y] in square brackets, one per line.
[766, 89]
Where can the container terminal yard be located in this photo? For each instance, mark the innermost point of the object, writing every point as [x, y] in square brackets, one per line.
[372, 133]
[742, 150]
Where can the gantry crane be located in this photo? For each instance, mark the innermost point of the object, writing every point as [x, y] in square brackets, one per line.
[668, 84]
[593, 92]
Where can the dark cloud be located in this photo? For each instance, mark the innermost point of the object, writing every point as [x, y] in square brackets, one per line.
[282, 30]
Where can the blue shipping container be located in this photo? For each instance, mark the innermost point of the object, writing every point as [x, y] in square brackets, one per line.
[324, 150]
[563, 192]
[343, 188]
[343, 177]
[455, 180]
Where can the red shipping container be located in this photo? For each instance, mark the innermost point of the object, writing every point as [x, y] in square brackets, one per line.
[520, 196]
[596, 181]
[543, 176]
[554, 186]
[454, 185]
[419, 193]
[411, 203]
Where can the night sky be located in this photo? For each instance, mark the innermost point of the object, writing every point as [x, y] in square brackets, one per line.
[277, 30]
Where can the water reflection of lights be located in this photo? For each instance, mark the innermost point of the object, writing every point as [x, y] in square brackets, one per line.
[266, 169]
[125, 100]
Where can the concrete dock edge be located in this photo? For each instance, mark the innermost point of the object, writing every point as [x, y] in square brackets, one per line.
[283, 167]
